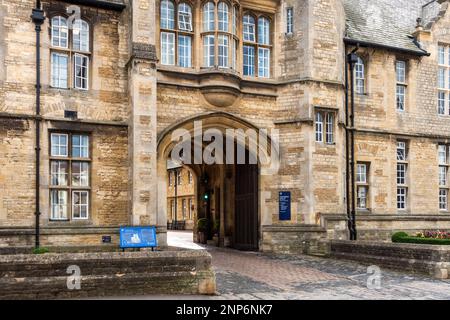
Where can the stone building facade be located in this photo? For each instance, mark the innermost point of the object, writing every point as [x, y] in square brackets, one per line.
[181, 198]
[120, 77]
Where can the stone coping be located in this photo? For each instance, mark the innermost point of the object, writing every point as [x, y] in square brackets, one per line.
[66, 230]
[50, 258]
[293, 228]
[388, 217]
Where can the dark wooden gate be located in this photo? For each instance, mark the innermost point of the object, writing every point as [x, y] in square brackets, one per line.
[246, 211]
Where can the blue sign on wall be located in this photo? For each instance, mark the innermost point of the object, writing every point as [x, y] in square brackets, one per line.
[138, 237]
[285, 205]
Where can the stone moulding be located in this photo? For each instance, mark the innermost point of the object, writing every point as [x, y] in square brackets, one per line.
[106, 274]
[415, 258]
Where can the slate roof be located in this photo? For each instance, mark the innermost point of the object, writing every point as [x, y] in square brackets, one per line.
[384, 22]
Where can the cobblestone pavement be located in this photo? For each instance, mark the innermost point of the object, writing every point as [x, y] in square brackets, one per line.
[242, 275]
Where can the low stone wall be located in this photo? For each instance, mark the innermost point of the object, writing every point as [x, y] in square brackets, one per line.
[428, 259]
[106, 274]
[288, 239]
[381, 227]
[67, 236]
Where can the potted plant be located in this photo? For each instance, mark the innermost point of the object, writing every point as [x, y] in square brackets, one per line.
[202, 229]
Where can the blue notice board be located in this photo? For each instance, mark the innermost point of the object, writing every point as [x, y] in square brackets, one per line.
[138, 237]
[285, 205]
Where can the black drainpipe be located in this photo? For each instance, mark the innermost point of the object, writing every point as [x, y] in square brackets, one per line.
[38, 19]
[352, 58]
[347, 154]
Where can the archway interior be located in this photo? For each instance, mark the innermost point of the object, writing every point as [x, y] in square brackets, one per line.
[226, 195]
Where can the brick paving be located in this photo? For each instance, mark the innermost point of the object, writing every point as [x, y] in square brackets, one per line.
[249, 276]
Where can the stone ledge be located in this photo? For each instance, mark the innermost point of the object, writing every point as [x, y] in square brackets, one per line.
[417, 258]
[107, 274]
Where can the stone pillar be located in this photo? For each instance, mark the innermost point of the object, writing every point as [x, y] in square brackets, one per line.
[142, 120]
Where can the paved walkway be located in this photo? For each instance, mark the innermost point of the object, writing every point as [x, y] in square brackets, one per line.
[242, 275]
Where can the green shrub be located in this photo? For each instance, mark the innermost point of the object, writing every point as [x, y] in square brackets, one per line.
[202, 225]
[396, 237]
[402, 237]
[40, 250]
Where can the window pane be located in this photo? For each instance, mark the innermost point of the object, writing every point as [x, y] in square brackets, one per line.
[223, 51]
[400, 97]
[208, 51]
[80, 174]
[359, 76]
[361, 173]
[329, 128]
[60, 64]
[442, 176]
[59, 145]
[263, 31]
[184, 51]
[401, 71]
[441, 102]
[223, 16]
[319, 127]
[59, 171]
[208, 17]
[249, 61]
[167, 15]
[184, 17]
[401, 198]
[60, 32]
[263, 63]
[58, 200]
[443, 199]
[401, 151]
[167, 48]
[235, 19]
[249, 28]
[442, 151]
[401, 173]
[441, 54]
[80, 146]
[289, 20]
[362, 198]
[81, 71]
[80, 35]
[80, 204]
[441, 78]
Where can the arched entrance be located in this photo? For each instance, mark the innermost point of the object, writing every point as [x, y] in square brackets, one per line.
[227, 193]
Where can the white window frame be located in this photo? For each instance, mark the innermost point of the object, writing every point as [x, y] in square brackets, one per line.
[402, 198]
[64, 207]
[167, 15]
[59, 135]
[58, 79]
[184, 51]
[209, 43]
[185, 17]
[249, 60]
[360, 76]
[443, 199]
[402, 169]
[223, 14]
[263, 62]
[80, 32]
[443, 80]
[82, 176]
[62, 31]
[62, 179]
[223, 50]
[263, 31]
[319, 124]
[400, 97]
[167, 48]
[208, 14]
[86, 205]
[401, 151]
[249, 28]
[76, 76]
[290, 20]
[361, 173]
